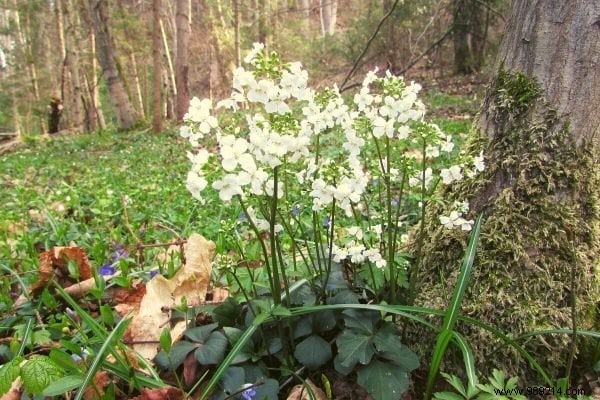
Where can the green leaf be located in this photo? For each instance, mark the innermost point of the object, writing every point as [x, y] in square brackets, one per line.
[175, 357]
[383, 381]
[165, 340]
[38, 372]
[456, 383]
[213, 350]
[313, 352]
[386, 341]
[281, 311]
[447, 396]
[361, 320]
[8, 373]
[201, 333]
[63, 385]
[341, 368]
[451, 315]
[233, 378]
[227, 313]
[268, 390]
[42, 337]
[354, 348]
[64, 360]
[324, 321]
[233, 335]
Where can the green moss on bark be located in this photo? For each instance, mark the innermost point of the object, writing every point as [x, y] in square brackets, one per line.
[540, 195]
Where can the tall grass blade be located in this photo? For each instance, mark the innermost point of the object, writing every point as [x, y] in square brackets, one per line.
[454, 308]
[116, 334]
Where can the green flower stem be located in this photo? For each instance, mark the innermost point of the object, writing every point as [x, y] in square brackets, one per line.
[272, 238]
[390, 230]
[262, 244]
[330, 245]
[414, 274]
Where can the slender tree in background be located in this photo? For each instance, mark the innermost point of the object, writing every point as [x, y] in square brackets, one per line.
[183, 22]
[328, 10]
[469, 33]
[539, 252]
[75, 106]
[157, 68]
[126, 115]
[304, 6]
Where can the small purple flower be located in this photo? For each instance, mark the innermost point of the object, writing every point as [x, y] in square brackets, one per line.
[395, 201]
[242, 217]
[249, 393]
[153, 273]
[295, 211]
[327, 222]
[107, 270]
[120, 252]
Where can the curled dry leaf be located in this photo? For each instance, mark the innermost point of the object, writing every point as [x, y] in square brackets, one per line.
[14, 393]
[190, 282]
[301, 392]
[55, 262]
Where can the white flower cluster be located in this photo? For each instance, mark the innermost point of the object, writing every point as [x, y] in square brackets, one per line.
[283, 126]
[456, 219]
[357, 252]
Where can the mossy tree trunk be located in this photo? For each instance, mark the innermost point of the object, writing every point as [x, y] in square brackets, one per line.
[538, 257]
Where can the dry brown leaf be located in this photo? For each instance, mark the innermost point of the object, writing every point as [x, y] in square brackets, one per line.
[162, 294]
[301, 392]
[96, 390]
[58, 259]
[165, 393]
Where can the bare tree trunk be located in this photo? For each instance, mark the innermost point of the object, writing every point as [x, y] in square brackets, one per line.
[126, 114]
[538, 257]
[95, 114]
[328, 16]
[305, 8]
[182, 19]
[469, 35]
[157, 68]
[263, 31]
[236, 28]
[75, 101]
[170, 79]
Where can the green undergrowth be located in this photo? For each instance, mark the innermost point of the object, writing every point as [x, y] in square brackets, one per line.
[540, 197]
[96, 191]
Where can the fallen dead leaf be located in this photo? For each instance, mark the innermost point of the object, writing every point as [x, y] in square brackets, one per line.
[190, 282]
[165, 393]
[57, 260]
[301, 392]
[95, 390]
[14, 393]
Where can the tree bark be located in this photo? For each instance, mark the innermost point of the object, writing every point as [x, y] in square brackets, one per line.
[182, 20]
[304, 6]
[126, 115]
[538, 257]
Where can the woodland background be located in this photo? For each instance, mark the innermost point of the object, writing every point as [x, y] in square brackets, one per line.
[100, 64]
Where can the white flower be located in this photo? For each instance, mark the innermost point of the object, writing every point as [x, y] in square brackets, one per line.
[233, 151]
[455, 219]
[363, 99]
[479, 163]
[229, 186]
[448, 145]
[403, 132]
[251, 56]
[417, 179]
[195, 183]
[199, 112]
[432, 151]
[383, 127]
[451, 174]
